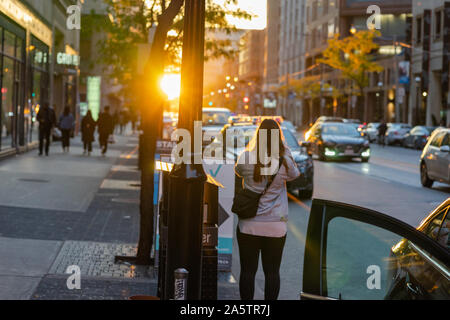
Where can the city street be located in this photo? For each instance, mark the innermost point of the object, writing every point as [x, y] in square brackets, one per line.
[389, 183]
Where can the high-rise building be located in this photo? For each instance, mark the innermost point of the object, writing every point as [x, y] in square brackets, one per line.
[430, 98]
[386, 96]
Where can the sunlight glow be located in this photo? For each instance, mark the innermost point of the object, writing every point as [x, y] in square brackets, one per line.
[171, 85]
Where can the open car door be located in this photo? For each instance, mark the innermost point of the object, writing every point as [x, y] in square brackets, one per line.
[352, 253]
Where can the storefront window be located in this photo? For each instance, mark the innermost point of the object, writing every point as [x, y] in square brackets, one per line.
[8, 102]
[12, 67]
[38, 94]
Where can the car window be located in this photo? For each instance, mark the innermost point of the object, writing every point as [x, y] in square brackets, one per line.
[446, 141]
[444, 233]
[437, 140]
[432, 229]
[361, 260]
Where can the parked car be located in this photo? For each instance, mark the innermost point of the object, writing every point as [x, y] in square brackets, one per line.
[353, 253]
[213, 121]
[288, 125]
[435, 159]
[396, 132]
[352, 121]
[329, 119]
[371, 131]
[242, 133]
[333, 140]
[417, 137]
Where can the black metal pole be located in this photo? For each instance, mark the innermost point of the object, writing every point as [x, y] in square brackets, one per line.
[185, 218]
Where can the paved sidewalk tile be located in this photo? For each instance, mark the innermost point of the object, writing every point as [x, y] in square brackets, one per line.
[97, 259]
[55, 288]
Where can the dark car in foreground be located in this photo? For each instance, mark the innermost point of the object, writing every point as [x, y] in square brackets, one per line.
[417, 138]
[333, 140]
[242, 135]
[353, 253]
[435, 159]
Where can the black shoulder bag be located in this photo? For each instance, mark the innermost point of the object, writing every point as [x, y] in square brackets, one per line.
[246, 202]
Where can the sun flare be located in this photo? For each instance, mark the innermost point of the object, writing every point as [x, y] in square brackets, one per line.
[171, 85]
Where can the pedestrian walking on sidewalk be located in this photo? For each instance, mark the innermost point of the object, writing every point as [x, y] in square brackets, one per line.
[88, 125]
[382, 129]
[266, 232]
[66, 125]
[105, 129]
[47, 120]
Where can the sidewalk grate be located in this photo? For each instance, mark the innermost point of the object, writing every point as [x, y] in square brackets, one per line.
[35, 180]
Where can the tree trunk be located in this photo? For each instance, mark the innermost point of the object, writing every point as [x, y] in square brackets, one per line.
[152, 107]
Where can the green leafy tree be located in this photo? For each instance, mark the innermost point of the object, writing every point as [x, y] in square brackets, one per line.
[352, 56]
[131, 24]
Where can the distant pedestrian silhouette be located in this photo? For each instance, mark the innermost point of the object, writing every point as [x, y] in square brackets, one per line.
[47, 120]
[105, 129]
[66, 124]
[382, 129]
[88, 125]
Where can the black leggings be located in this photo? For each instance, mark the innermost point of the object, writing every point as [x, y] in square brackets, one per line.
[271, 252]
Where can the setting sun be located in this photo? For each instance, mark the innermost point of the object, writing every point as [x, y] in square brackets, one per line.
[171, 85]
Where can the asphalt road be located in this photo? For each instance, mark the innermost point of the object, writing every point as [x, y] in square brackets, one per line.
[389, 183]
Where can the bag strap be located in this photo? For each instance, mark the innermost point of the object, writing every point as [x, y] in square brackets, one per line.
[273, 177]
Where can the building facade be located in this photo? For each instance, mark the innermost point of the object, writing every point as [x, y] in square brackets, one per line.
[271, 56]
[430, 99]
[386, 97]
[251, 71]
[291, 52]
[34, 41]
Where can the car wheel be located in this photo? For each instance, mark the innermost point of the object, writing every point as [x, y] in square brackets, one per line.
[305, 194]
[426, 181]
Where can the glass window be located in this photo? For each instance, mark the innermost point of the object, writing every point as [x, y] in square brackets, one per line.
[444, 232]
[9, 44]
[438, 139]
[434, 225]
[419, 30]
[437, 24]
[8, 109]
[364, 262]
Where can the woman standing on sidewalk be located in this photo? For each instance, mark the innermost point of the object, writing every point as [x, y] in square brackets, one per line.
[88, 125]
[66, 124]
[266, 232]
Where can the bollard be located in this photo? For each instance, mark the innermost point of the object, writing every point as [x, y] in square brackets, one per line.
[181, 279]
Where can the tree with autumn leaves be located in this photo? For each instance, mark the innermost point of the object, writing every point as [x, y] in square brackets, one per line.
[131, 25]
[352, 56]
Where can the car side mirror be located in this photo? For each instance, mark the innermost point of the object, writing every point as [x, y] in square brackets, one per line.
[445, 149]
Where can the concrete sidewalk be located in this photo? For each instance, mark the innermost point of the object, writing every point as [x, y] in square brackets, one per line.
[71, 209]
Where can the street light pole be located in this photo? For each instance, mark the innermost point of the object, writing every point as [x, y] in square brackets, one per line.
[186, 190]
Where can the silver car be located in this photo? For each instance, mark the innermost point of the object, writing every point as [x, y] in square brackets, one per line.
[435, 159]
[371, 131]
[396, 133]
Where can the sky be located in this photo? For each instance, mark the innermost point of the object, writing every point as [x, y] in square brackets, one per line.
[256, 7]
